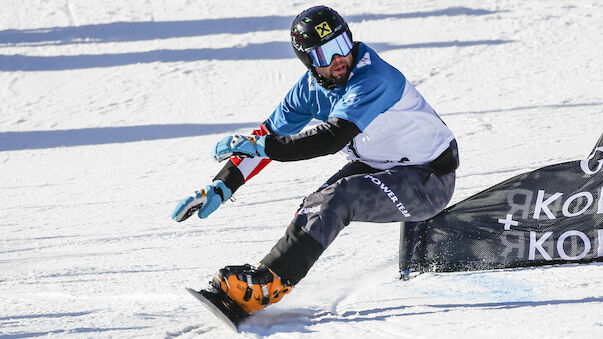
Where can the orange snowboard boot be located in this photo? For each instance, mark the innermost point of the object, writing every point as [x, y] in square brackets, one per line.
[249, 287]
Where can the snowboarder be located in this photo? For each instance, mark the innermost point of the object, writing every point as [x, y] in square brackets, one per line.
[402, 156]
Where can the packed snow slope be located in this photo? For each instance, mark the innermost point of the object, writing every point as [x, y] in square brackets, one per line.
[109, 110]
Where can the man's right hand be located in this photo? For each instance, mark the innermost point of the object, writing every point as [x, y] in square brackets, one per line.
[206, 201]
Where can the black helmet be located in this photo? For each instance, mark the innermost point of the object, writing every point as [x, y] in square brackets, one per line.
[314, 27]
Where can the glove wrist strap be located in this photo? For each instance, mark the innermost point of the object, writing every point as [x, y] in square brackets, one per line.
[221, 189]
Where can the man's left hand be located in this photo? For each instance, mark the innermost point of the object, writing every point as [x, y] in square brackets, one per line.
[240, 145]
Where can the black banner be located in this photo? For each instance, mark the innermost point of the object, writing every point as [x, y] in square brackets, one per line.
[552, 215]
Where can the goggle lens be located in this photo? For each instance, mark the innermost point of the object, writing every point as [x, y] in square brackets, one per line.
[323, 55]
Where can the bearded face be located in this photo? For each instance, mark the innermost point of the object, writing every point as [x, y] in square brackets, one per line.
[339, 69]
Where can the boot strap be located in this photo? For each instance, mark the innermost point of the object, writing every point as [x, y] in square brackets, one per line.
[248, 291]
[266, 296]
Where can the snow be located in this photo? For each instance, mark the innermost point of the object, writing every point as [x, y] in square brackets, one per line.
[109, 112]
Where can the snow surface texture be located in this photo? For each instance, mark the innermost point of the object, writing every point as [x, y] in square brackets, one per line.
[109, 112]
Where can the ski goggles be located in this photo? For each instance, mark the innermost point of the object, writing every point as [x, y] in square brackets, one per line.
[323, 55]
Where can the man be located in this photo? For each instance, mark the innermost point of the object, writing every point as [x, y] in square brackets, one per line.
[402, 156]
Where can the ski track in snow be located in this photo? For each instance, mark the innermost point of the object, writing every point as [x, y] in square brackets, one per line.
[109, 112]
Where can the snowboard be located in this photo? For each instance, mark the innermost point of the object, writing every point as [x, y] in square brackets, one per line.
[224, 308]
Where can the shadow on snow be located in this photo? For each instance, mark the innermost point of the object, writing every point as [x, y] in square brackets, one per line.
[14, 141]
[300, 319]
[150, 30]
[47, 315]
[270, 50]
[72, 332]
[140, 31]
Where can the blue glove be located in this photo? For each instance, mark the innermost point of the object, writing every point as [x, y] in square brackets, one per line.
[240, 145]
[206, 201]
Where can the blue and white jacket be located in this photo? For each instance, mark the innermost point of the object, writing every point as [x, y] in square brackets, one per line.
[397, 126]
[378, 118]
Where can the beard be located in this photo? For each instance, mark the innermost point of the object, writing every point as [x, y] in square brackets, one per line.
[342, 79]
[329, 80]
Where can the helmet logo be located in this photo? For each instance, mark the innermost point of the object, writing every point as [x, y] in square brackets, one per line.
[323, 29]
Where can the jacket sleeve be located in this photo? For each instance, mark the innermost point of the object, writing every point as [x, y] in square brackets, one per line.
[238, 170]
[326, 138]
